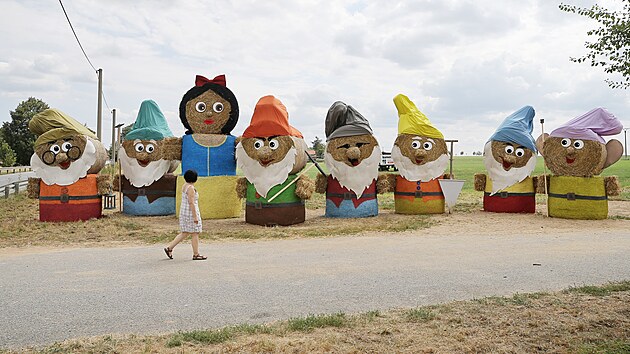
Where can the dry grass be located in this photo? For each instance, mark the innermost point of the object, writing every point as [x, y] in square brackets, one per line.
[19, 227]
[580, 320]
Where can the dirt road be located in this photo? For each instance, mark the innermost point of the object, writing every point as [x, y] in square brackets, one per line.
[50, 295]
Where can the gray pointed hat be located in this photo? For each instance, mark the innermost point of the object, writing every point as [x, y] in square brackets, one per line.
[343, 120]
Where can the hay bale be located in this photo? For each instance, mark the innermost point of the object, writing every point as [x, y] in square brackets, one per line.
[305, 187]
[32, 188]
[480, 182]
[241, 187]
[321, 182]
[613, 186]
[383, 184]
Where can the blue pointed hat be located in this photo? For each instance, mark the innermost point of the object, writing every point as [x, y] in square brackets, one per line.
[150, 123]
[517, 128]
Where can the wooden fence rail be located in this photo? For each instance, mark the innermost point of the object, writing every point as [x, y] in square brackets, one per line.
[13, 187]
[15, 169]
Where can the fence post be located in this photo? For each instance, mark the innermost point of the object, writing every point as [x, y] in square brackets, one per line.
[16, 185]
[6, 192]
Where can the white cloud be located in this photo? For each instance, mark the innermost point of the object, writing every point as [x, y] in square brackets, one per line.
[466, 64]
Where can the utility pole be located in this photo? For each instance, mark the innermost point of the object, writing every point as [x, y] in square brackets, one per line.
[99, 112]
[625, 142]
[113, 134]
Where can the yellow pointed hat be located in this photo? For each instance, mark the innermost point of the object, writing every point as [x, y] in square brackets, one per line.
[413, 122]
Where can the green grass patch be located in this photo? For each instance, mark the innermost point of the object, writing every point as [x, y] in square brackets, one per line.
[216, 336]
[606, 347]
[601, 290]
[310, 322]
[518, 299]
[420, 314]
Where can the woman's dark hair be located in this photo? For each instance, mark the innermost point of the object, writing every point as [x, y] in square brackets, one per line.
[190, 176]
[222, 91]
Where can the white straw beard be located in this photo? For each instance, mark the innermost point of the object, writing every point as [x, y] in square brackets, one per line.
[355, 178]
[264, 177]
[140, 176]
[412, 172]
[55, 175]
[501, 178]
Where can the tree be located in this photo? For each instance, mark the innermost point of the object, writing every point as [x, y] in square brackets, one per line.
[611, 50]
[16, 132]
[7, 155]
[319, 147]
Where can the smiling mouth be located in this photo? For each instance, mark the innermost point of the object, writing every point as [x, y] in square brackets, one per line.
[354, 162]
[264, 163]
[64, 165]
[419, 161]
[570, 160]
[208, 121]
[506, 165]
[143, 163]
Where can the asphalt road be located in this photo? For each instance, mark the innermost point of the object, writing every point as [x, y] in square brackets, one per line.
[52, 296]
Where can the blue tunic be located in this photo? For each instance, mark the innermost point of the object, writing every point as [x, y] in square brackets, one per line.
[218, 160]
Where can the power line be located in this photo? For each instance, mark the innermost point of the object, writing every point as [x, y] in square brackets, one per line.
[81, 46]
[75, 35]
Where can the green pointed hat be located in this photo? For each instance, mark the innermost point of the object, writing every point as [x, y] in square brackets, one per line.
[53, 124]
[150, 124]
[412, 121]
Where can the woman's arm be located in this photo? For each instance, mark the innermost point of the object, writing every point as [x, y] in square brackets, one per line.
[190, 192]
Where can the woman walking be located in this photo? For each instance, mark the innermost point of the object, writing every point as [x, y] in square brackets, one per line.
[189, 217]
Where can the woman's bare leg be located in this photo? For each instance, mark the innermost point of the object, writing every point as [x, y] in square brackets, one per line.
[178, 239]
[195, 243]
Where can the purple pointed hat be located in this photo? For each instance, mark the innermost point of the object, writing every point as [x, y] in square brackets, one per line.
[590, 126]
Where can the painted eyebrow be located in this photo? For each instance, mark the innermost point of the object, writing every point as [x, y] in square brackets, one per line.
[431, 140]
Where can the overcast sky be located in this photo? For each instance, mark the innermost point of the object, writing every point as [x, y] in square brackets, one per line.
[466, 64]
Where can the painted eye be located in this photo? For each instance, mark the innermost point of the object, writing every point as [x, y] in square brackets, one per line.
[66, 146]
[520, 152]
[258, 144]
[415, 144]
[427, 145]
[150, 148]
[200, 107]
[509, 149]
[273, 144]
[578, 144]
[139, 147]
[566, 142]
[217, 107]
[55, 148]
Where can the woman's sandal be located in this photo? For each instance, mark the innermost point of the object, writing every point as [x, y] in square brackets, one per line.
[198, 257]
[169, 252]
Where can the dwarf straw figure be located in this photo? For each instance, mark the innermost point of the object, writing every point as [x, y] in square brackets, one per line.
[148, 186]
[67, 159]
[352, 157]
[576, 154]
[421, 156]
[510, 158]
[270, 153]
[209, 111]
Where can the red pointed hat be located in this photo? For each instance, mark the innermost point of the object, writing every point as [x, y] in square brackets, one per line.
[270, 118]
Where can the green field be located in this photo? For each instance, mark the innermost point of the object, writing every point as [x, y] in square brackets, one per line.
[465, 167]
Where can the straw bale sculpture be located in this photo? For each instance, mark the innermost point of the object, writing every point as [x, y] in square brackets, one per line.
[67, 159]
[576, 153]
[352, 157]
[209, 111]
[147, 184]
[271, 153]
[510, 158]
[421, 156]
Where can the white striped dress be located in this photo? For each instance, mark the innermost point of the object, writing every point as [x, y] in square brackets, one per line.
[186, 219]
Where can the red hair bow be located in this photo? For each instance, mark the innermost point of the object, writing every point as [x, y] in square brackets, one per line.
[219, 80]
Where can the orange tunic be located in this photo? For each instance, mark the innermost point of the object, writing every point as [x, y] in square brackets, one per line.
[416, 197]
[78, 201]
